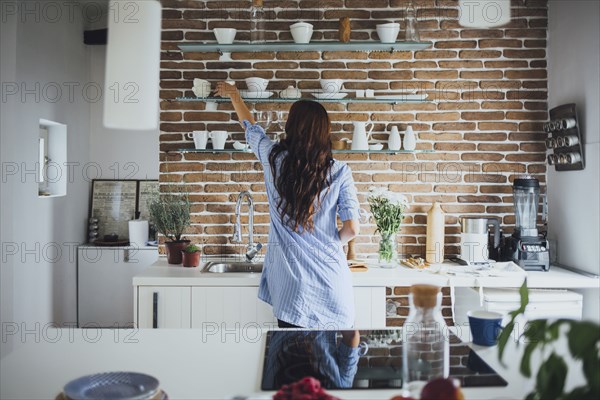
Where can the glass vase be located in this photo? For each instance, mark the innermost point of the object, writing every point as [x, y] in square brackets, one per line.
[388, 250]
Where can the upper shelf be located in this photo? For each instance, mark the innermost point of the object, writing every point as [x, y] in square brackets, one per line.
[391, 99]
[314, 46]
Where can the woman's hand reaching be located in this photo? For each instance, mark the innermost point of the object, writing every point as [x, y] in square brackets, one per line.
[224, 89]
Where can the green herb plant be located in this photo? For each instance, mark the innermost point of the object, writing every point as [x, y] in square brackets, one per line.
[170, 214]
[388, 211]
[583, 338]
[192, 248]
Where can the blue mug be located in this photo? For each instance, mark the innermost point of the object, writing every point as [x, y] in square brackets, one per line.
[485, 327]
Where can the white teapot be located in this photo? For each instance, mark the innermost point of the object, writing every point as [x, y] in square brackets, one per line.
[290, 93]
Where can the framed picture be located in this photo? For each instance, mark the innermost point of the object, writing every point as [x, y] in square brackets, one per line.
[146, 191]
[113, 204]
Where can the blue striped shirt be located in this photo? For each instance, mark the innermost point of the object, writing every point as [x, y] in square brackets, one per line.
[306, 276]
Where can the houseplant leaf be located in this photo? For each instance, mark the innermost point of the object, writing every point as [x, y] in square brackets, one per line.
[583, 336]
[551, 378]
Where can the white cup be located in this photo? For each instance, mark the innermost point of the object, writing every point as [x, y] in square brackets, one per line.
[224, 35]
[388, 33]
[301, 32]
[331, 86]
[218, 139]
[200, 139]
[201, 87]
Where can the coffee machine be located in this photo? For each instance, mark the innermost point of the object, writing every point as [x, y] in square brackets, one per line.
[526, 247]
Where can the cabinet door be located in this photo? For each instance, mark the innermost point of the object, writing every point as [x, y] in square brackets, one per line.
[229, 307]
[104, 279]
[164, 307]
[370, 307]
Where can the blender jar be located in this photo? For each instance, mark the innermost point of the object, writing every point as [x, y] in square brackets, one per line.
[526, 193]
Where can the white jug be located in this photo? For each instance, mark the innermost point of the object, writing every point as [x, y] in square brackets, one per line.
[410, 139]
[394, 140]
[360, 137]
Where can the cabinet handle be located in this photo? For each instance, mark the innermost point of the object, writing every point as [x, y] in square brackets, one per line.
[154, 310]
[126, 255]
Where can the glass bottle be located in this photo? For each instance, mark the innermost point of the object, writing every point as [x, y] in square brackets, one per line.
[425, 345]
[412, 32]
[257, 21]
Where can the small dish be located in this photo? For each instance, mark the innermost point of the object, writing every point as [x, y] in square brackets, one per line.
[241, 146]
[330, 96]
[249, 94]
[376, 147]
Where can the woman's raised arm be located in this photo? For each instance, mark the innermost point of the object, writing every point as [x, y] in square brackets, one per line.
[226, 90]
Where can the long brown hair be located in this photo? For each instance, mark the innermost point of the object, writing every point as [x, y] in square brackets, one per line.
[305, 165]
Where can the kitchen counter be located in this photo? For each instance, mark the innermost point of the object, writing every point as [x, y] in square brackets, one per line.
[163, 274]
[190, 364]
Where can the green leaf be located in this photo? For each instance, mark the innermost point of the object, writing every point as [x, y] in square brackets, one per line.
[535, 331]
[583, 337]
[503, 339]
[526, 360]
[579, 393]
[524, 292]
[551, 377]
[532, 396]
[591, 370]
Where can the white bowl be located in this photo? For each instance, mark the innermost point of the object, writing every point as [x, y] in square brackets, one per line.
[256, 84]
[331, 85]
[388, 33]
[225, 35]
[301, 32]
[376, 147]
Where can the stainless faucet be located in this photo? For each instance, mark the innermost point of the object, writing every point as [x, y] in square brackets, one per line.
[252, 249]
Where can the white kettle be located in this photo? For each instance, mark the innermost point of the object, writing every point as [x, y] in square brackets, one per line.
[360, 136]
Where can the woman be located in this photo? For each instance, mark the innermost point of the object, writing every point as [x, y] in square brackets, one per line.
[305, 273]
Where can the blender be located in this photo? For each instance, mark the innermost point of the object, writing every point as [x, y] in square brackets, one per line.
[526, 247]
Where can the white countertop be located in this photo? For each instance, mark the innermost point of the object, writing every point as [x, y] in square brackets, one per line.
[163, 274]
[188, 364]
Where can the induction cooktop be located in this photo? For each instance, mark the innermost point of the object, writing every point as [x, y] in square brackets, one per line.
[293, 354]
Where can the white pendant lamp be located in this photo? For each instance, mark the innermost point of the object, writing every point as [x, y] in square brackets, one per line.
[483, 14]
[131, 92]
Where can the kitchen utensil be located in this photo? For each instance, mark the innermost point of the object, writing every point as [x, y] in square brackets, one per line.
[301, 32]
[526, 247]
[331, 85]
[474, 238]
[218, 139]
[225, 35]
[388, 33]
[112, 385]
[256, 84]
[394, 140]
[410, 139]
[200, 139]
[290, 93]
[247, 94]
[376, 147]
[485, 326]
[360, 136]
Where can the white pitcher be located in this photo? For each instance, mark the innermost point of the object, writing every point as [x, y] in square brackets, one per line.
[410, 139]
[360, 137]
[394, 140]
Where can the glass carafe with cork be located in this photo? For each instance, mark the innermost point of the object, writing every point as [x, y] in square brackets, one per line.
[425, 345]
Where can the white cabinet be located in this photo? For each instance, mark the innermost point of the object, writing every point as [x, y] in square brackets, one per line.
[230, 307]
[164, 307]
[104, 284]
[369, 304]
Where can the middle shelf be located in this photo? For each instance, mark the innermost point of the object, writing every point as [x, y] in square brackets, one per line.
[190, 150]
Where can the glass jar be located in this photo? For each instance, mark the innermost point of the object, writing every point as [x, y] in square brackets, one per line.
[258, 22]
[412, 32]
[388, 250]
[425, 345]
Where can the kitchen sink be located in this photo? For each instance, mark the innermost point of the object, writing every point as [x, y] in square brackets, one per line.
[221, 267]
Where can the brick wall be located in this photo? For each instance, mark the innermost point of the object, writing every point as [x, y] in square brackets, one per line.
[489, 92]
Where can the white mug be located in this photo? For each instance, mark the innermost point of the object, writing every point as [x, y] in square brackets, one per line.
[200, 139]
[201, 87]
[218, 139]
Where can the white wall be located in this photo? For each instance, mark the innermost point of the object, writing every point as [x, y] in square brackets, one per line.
[39, 280]
[120, 154]
[573, 197]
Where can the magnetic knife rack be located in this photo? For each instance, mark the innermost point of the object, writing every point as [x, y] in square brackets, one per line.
[564, 139]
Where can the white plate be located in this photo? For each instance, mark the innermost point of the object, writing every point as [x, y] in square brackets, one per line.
[248, 94]
[113, 386]
[330, 96]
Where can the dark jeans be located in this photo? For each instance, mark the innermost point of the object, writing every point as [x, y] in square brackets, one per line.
[283, 324]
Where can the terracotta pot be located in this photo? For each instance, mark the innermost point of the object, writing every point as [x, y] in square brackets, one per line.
[174, 250]
[191, 260]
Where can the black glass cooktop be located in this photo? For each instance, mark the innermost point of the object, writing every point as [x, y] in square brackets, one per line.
[292, 355]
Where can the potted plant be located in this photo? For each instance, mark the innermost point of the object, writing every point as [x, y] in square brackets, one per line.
[388, 211]
[191, 256]
[171, 216]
